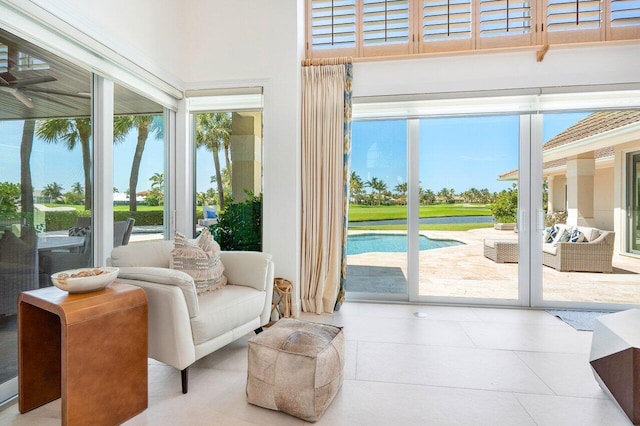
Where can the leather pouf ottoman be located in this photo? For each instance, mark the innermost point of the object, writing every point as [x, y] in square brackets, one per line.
[296, 367]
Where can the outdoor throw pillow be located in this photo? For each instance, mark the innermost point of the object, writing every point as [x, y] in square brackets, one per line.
[549, 234]
[553, 234]
[564, 237]
[576, 236]
[79, 231]
[201, 260]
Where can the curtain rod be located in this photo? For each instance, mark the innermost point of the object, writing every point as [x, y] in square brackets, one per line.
[327, 61]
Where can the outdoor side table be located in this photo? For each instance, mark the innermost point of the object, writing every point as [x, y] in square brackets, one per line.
[90, 349]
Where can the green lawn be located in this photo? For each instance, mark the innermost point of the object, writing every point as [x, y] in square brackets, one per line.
[359, 213]
[425, 227]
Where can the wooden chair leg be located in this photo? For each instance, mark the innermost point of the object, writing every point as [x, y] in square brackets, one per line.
[185, 380]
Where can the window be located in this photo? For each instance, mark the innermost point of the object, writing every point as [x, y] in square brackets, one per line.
[46, 179]
[366, 28]
[139, 172]
[228, 146]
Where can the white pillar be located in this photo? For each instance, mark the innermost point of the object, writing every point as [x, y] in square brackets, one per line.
[580, 172]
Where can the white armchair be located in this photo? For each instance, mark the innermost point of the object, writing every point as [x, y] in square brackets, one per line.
[184, 327]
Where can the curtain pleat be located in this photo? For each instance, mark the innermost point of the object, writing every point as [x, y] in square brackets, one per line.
[323, 186]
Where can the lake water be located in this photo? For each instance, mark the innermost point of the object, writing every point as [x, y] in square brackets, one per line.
[428, 220]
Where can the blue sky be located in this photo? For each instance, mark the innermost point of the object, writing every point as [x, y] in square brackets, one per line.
[454, 152]
[459, 153]
[53, 163]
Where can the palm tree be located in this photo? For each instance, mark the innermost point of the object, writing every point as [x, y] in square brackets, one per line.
[26, 185]
[157, 180]
[77, 189]
[145, 124]
[52, 191]
[212, 130]
[71, 131]
[401, 189]
[355, 187]
[377, 185]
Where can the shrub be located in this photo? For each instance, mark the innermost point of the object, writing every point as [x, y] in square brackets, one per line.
[146, 218]
[239, 227]
[9, 199]
[555, 217]
[56, 221]
[505, 207]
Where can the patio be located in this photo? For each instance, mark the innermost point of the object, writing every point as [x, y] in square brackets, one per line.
[463, 271]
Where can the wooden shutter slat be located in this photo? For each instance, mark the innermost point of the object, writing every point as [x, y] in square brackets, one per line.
[385, 22]
[333, 23]
[446, 20]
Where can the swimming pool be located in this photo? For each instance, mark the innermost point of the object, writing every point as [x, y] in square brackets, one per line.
[391, 243]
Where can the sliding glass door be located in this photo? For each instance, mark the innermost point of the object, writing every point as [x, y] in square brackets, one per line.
[377, 241]
[468, 238]
[590, 203]
[526, 208]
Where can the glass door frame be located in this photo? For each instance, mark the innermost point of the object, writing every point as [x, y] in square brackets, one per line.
[632, 195]
[525, 220]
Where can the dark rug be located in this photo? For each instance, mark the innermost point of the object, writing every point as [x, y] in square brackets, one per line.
[580, 320]
[375, 279]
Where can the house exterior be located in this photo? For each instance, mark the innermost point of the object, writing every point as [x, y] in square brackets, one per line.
[591, 174]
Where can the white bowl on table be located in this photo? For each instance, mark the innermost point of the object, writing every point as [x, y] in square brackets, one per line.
[84, 284]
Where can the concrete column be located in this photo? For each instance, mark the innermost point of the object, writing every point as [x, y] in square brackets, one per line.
[580, 172]
[246, 154]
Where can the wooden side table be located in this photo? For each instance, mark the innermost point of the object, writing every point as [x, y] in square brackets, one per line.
[282, 295]
[89, 349]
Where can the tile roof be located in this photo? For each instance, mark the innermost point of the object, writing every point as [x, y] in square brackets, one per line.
[593, 124]
[598, 154]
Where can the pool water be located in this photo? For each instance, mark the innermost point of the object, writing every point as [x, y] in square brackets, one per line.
[391, 243]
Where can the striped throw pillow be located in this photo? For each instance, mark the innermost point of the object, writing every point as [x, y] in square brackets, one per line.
[201, 260]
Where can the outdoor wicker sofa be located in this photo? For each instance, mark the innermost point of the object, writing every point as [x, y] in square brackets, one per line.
[595, 254]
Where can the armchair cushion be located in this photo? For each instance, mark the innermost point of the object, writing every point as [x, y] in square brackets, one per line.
[201, 260]
[224, 310]
[156, 253]
[168, 277]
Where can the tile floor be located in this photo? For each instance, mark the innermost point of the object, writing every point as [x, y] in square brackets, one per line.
[456, 366]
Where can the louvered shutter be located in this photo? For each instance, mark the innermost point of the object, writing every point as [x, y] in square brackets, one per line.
[446, 24]
[624, 20]
[385, 26]
[568, 21]
[333, 24]
[505, 23]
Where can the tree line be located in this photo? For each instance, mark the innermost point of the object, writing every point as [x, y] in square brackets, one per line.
[212, 132]
[376, 192]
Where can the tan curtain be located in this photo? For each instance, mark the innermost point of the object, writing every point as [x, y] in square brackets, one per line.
[323, 185]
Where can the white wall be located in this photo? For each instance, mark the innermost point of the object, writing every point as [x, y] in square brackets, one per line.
[248, 43]
[147, 31]
[566, 66]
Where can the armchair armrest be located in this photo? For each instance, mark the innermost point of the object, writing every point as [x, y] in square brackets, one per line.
[165, 276]
[248, 268]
